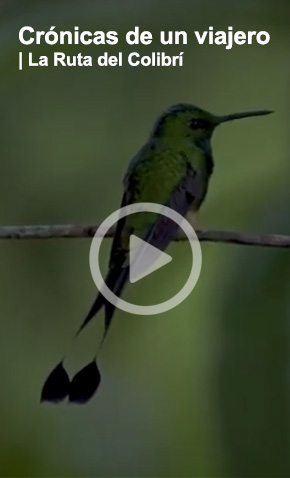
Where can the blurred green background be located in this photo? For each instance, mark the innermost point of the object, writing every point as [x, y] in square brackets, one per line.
[201, 391]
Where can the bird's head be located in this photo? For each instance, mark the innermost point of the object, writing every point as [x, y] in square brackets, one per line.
[184, 121]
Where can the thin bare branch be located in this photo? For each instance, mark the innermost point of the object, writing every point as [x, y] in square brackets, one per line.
[78, 231]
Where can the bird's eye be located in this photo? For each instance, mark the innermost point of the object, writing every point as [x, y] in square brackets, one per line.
[197, 124]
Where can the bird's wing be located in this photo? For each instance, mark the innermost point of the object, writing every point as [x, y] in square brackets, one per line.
[163, 230]
[120, 243]
[189, 190]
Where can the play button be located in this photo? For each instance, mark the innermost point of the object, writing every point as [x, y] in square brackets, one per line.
[145, 259]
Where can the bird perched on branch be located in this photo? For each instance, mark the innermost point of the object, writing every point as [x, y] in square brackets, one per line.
[173, 168]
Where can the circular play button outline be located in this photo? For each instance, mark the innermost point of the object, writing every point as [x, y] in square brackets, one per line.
[145, 309]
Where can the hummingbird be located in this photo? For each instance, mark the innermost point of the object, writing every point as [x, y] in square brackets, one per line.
[173, 169]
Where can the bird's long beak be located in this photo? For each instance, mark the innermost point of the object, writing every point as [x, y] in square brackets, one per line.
[246, 114]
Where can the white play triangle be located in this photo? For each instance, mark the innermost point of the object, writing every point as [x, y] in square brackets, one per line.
[145, 259]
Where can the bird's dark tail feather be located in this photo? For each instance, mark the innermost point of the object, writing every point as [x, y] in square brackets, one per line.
[85, 383]
[115, 281]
